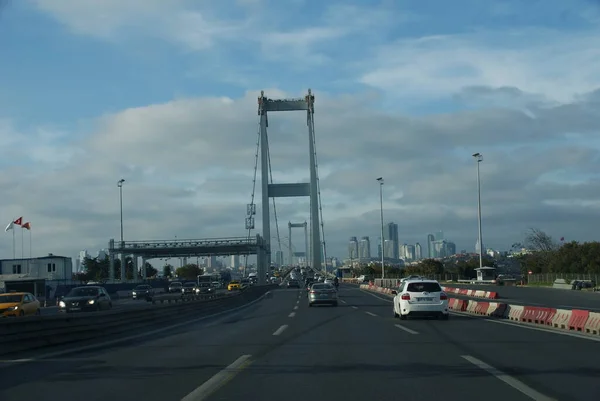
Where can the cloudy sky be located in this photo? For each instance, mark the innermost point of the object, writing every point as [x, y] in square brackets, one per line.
[163, 94]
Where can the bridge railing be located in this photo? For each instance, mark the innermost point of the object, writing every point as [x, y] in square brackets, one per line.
[185, 243]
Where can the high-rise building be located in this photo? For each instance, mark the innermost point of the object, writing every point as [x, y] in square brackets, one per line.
[389, 249]
[353, 248]
[439, 235]
[235, 262]
[410, 252]
[418, 252]
[430, 250]
[364, 248]
[391, 234]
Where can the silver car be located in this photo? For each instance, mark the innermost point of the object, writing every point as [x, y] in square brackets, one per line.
[321, 293]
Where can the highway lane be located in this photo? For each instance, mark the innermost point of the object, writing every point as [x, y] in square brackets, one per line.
[356, 351]
[536, 296]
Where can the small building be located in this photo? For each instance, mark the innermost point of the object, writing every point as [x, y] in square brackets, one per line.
[51, 267]
[486, 273]
[39, 276]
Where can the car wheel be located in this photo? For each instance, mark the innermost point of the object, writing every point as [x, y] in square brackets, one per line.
[403, 317]
[335, 304]
[395, 314]
[22, 313]
[38, 312]
[310, 305]
[445, 316]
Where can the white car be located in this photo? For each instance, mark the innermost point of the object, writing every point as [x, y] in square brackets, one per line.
[420, 297]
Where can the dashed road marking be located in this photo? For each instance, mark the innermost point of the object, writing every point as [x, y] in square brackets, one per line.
[406, 329]
[280, 330]
[217, 381]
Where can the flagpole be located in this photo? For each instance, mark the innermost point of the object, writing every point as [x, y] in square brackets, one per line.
[14, 244]
[22, 243]
[30, 253]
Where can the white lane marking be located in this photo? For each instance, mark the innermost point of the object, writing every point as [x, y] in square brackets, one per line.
[554, 331]
[342, 301]
[295, 307]
[292, 314]
[217, 381]
[280, 330]
[406, 329]
[371, 314]
[297, 302]
[354, 307]
[511, 381]
[136, 336]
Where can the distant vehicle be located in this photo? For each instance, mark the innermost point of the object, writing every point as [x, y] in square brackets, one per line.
[293, 284]
[321, 293]
[175, 286]
[142, 292]
[420, 297]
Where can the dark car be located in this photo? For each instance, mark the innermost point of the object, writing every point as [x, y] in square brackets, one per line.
[293, 284]
[143, 291]
[85, 299]
[189, 288]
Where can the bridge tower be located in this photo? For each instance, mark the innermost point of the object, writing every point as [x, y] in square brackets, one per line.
[297, 225]
[270, 190]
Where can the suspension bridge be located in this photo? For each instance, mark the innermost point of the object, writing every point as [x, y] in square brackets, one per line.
[257, 244]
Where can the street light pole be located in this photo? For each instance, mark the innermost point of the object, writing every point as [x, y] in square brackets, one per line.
[478, 159]
[380, 180]
[120, 185]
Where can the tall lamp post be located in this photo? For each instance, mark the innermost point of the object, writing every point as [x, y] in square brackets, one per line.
[380, 180]
[478, 159]
[120, 185]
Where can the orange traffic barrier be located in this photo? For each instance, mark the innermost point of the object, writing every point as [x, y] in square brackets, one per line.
[578, 319]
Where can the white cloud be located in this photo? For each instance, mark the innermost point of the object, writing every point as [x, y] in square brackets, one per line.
[554, 64]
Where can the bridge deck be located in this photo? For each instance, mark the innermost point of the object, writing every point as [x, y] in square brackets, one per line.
[190, 247]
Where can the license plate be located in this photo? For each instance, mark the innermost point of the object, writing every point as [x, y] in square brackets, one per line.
[75, 308]
[324, 296]
[424, 299]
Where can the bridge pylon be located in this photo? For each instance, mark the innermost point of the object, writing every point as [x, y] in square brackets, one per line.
[269, 190]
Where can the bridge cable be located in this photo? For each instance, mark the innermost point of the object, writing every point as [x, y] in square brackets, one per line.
[312, 123]
[274, 206]
[253, 190]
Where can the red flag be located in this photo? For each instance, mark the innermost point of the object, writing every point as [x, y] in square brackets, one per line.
[27, 225]
[19, 221]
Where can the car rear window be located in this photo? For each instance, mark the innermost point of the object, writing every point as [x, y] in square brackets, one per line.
[424, 287]
[321, 287]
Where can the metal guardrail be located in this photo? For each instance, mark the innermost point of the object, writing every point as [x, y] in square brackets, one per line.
[28, 333]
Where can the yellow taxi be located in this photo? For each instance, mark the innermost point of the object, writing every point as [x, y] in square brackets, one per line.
[233, 285]
[18, 304]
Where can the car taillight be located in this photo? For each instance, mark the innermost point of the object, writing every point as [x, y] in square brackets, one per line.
[443, 297]
[405, 297]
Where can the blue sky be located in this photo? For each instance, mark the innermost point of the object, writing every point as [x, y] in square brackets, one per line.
[93, 90]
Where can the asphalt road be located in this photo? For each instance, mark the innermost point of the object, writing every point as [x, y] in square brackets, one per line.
[536, 296]
[286, 351]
